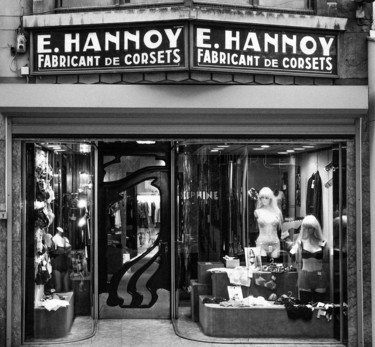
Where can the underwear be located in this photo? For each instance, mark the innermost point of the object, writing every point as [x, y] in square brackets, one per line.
[61, 260]
[307, 255]
[312, 280]
[271, 249]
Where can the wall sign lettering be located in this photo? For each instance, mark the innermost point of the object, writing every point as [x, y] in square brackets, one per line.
[160, 46]
[249, 49]
[142, 47]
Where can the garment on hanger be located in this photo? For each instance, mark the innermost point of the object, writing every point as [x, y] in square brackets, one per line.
[142, 214]
[280, 199]
[314, 197]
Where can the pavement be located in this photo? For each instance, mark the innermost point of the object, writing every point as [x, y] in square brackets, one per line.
[163, 333]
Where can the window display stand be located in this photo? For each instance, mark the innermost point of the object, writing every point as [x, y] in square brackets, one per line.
[54, 324]
[270, 322]
[256, 321]
[201, 286]
[82, 300]
[197, 289]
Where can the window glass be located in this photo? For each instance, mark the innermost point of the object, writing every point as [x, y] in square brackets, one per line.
[287, 4]
[109, 3]
[281, 4]
[258, 226]
[116, 169]
[59, 241]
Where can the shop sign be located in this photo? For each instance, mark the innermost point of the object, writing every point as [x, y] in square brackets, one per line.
[201, 194]
[160, 46]
[256, 49]
[142, 47]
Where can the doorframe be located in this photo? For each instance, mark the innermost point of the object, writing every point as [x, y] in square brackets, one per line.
[173, 222]
[96, 238]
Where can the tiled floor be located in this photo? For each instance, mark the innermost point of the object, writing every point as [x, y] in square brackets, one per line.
[158, 332]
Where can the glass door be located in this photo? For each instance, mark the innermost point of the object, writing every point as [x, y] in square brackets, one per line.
[134, 231]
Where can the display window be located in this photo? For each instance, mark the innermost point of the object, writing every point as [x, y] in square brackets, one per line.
[58, 241]
[276, 4]
[111, 3]
[261, 239]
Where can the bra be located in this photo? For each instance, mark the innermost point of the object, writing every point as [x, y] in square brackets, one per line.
[307, 255]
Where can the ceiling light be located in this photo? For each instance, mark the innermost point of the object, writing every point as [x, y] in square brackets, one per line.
[224, 146]
[84, 148]
[258, 149]
[145, 142]
[299, 149]
[290, 150]
[308, 146]
[282, 153]
[265, 146]
[214, 150]
[54, 146]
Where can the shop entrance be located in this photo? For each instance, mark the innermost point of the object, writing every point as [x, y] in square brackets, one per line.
[134, 230]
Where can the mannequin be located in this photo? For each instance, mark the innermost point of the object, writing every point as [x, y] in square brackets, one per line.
[310, 249]
[269, 219]
[61, 261]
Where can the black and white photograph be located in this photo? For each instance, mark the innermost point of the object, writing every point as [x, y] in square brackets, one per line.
[187, 173]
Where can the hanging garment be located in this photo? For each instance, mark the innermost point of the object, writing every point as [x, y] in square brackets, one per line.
[281, 200]
[314, 197]
[143, 214]
[153, 207]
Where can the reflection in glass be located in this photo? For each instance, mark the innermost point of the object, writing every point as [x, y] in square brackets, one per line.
[134, 230]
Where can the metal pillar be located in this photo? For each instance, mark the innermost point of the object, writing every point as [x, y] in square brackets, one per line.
[371, 87]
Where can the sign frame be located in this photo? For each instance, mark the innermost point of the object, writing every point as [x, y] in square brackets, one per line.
[188, 45]
[263, 71]
[182, 66]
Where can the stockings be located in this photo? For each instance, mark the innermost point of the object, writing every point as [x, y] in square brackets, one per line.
[308, 297]
[305, 297]
[319, 297]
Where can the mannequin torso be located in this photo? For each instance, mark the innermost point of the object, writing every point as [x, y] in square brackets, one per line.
[268, 222]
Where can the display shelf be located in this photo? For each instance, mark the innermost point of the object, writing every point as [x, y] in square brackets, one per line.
[54, 324]
[82, 301]
[197, 289]
[259, 321]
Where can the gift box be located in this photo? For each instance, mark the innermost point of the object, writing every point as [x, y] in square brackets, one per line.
[232, 263]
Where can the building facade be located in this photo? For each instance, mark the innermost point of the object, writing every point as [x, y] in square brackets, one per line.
[139, 140]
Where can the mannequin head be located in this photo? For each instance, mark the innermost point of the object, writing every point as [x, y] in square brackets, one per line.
[266, 198]
[311, 230]
[60, 231]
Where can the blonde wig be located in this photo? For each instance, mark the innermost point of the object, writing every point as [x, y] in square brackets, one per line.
[268, 193]
[311, 221]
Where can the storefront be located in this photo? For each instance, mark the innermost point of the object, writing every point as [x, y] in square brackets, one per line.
[164, 168]
[142, 219]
